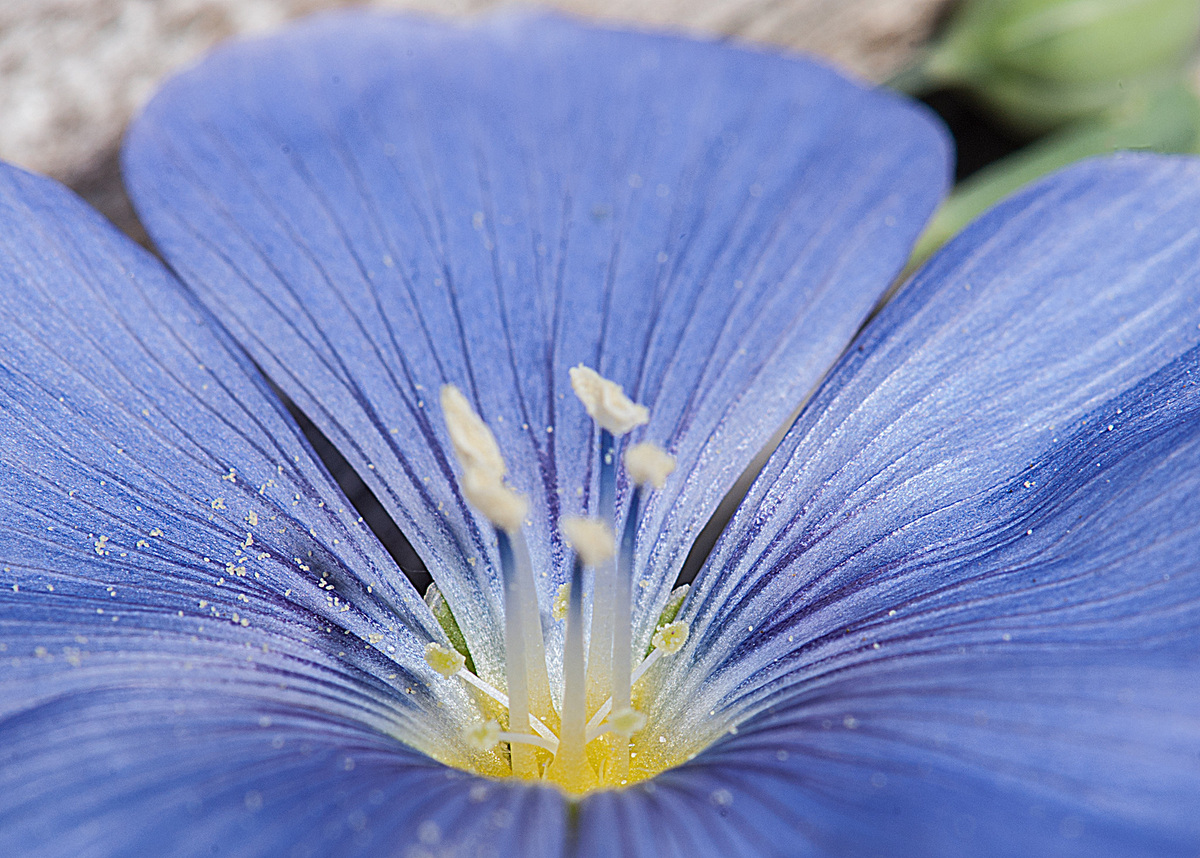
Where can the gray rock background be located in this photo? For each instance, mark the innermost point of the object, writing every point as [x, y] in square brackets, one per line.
[72, 72]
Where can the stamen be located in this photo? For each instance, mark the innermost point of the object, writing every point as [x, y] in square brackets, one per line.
[500, 697]
[603, 587]
[645, 463]
[570, 767]
[499, 504]
[616, 414]
[648, 464]
[606, 402]
[447, 662]
[474, 444]
[550, 745]
[483, 486]
[524, 763]
[592, 538]
[677, 634]
[531, 621]
[625, 722]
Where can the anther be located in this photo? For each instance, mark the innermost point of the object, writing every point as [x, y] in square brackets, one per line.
[474, 444]
[482, 736]
[445, 661]
[606, 402]
[671, 637]
[485, 490]
[625, 722]
[648, 464]
[591, 538]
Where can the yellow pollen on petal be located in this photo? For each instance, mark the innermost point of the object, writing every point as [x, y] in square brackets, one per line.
[671, 637]
[626, 722]
[559, 609]
[447, 662]
[591, 538]
[649, 464]
[483, 736]
[606, 402]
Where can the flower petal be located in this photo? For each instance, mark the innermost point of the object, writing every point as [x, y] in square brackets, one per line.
[198, 772]
[376, 206]
[163, 523]
[941, 755]
[1009, 456]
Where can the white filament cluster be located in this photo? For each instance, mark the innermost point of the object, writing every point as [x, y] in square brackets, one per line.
[597, 682]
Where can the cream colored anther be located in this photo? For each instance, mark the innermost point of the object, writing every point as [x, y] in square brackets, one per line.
[591, 538]
[648, 464]
[606, 402]
[499, 504]
[626, 722]
[474, 444]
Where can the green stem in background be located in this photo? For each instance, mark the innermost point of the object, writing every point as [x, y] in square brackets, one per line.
[1164, 121]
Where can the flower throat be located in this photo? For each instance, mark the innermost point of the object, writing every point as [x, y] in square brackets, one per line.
[590, 734]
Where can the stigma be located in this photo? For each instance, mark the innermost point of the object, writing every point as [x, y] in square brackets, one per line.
[585, 731]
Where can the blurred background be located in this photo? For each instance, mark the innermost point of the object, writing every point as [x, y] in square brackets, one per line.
[72, 72]
[1024, 85]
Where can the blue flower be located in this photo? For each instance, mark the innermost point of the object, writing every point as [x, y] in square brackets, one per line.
[955, 615]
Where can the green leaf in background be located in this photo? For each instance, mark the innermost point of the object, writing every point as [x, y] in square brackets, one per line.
[1040, 64]
[1166, 121]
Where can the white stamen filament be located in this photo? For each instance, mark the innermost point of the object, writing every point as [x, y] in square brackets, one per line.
[550, 744]
[524, 763]
[570, 765]
[593, 724]
[500, 697]
[600, 641]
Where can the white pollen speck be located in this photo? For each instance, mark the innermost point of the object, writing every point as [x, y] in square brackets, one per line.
[721, 797]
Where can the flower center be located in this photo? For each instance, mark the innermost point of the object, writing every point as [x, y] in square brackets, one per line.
[590, 733]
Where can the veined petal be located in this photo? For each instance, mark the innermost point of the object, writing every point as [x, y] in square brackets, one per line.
[376, 206]
[199, 772]
[1009, 456]
[940, 755]
[164, 529]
